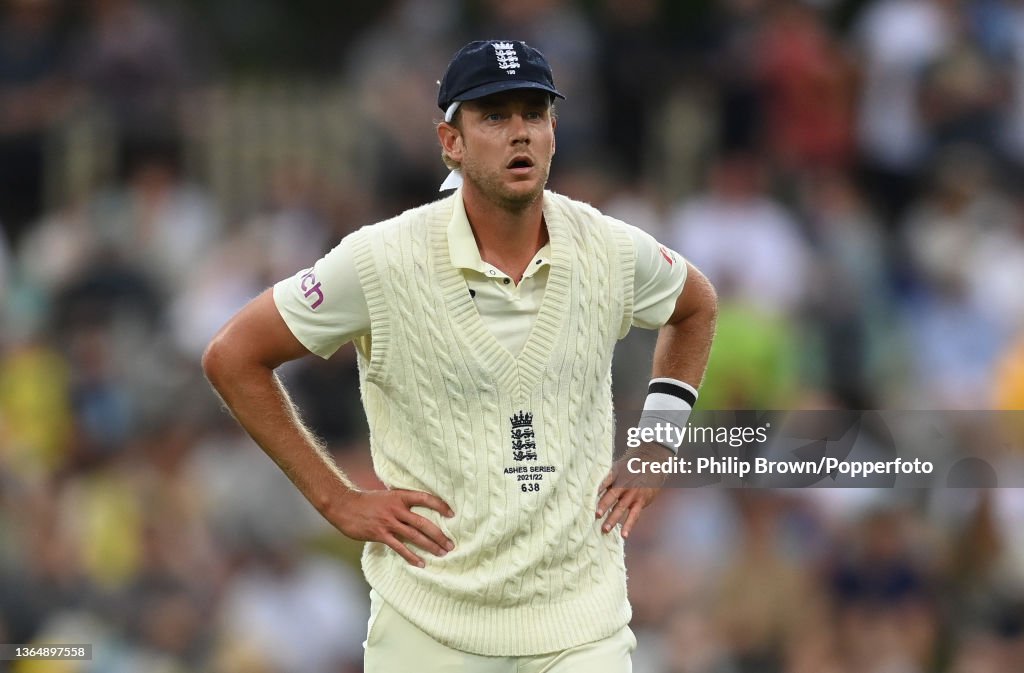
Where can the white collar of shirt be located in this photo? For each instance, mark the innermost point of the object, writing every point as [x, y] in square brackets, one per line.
[465, 254]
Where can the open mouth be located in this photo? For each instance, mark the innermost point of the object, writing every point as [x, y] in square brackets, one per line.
[520, 163]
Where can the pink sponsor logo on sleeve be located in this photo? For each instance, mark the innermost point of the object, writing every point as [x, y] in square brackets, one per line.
[311, 286]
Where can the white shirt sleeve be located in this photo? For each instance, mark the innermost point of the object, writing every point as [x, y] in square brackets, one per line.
[324, 306]
[658, 279]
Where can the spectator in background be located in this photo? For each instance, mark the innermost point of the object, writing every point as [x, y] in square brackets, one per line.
[36, 423]
[227, 275]
[158, 221]
[896, 40]
[32, 95]
[632, 74]
[391, 70]
[734, 28]
[955, 319]
[997, 260]
[765, 597]
[298, 612]
[1011, 24]
[749, 243]
[960, 94]
[851, 298]
[758, 259]
[293, 225]
[65, 238]
[132, 59]
[757, 361]
[954, 344]
[961, 209]
[882, 588]
[807, 86]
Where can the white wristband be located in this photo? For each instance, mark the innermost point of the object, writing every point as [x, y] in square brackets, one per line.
[666, 410]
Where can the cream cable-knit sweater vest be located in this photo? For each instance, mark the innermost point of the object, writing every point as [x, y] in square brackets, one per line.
[516, 445]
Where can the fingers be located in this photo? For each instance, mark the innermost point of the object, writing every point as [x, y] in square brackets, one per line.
[634, 514]
[608, 500]
[440, 544]
[620, 510]
[625, 505]
[403, 551]
[409, 534]
[411, 528]
[413, 498]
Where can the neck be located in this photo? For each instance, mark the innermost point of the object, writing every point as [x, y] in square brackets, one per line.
[507, 238]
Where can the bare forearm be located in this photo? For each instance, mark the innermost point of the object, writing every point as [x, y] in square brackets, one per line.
[261, 405]
[682, 350]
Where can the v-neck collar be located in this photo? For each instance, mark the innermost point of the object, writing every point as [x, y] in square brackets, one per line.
[464, 253]
[518, 373]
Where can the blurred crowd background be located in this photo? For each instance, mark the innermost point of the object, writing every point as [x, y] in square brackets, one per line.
[847, 172]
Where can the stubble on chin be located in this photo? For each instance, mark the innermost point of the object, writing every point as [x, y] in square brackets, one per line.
[519, 201]
[492, 187]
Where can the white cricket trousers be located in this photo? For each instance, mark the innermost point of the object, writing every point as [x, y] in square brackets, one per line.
[394, 645]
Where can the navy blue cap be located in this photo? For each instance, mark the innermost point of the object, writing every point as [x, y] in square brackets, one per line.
[489, 66]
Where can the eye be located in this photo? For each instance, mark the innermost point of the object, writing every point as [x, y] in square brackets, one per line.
[493, 116]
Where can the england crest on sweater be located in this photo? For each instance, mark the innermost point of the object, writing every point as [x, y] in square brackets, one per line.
[524, 444]
[524, 448]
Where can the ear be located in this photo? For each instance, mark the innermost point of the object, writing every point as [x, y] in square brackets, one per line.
[554, 127]
[451, 140]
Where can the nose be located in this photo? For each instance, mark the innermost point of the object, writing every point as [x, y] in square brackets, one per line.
[520, 130]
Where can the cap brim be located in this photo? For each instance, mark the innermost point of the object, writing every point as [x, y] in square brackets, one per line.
[507, 85]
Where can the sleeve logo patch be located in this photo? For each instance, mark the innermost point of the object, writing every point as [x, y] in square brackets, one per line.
[667, 254]
[311, 287]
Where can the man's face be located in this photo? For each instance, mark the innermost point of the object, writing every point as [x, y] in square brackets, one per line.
[507, 141]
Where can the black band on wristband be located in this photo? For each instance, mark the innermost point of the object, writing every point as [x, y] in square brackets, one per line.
[667, 388]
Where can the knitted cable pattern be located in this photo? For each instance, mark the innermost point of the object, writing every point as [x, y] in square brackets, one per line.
[531, 572]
